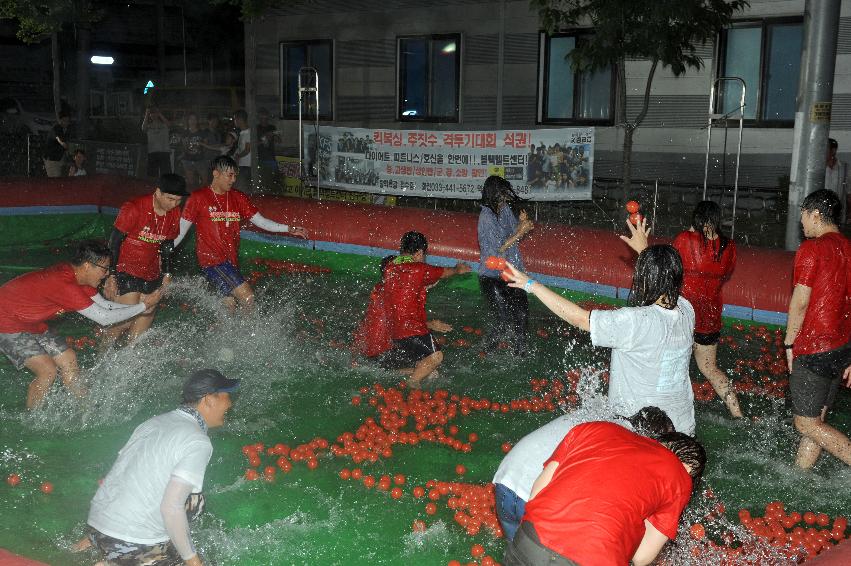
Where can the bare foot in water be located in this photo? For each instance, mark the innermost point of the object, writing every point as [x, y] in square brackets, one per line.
[81, 545]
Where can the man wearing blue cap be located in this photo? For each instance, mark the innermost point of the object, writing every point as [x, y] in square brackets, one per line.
[141, 512]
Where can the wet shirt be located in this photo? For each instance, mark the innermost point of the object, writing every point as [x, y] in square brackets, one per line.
[127, 504]
[703, 276]
[405, 296]
[824, 265]
[146, 231]
[651, 350]
[192, 149]
[28, 301]
[493, 231]
[372, 336]
[217, 219]
[608, 481]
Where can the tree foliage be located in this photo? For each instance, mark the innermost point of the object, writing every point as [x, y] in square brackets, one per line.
[37, 19]
[665, 32]
[251, 8]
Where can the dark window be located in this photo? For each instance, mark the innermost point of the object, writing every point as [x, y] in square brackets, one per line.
[429, 78]
[767, 56]
[300, 54]
[566, 96]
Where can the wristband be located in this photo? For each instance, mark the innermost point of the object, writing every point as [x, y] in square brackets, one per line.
[788, 346]
[528, 285]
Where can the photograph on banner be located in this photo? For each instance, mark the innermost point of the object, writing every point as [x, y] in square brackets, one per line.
[548, 164]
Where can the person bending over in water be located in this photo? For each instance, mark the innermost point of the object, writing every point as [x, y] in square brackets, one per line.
[651, 339]
[29, 301]
[523, 464]
[218, 211]
[406, 283]
[140, 514]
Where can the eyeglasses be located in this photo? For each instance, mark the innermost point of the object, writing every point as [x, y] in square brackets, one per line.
[105, 268]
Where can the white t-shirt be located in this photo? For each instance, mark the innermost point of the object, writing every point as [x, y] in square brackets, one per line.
[525, 462]
[244, 139]
[127, 504]
[651, 351]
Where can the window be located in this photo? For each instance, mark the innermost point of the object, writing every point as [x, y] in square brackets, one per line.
[767, 56]
[300, 54]
[429, 78]
[566, 96]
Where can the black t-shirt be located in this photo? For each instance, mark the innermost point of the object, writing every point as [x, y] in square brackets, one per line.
[53, 150]
[266, 142]
[192, 150]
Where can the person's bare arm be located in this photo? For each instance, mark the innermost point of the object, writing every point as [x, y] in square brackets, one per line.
[438, 326]
[565, 309]
[523, 227]
[650, 546]
[797, 309]
[543, 480]
[459, 269]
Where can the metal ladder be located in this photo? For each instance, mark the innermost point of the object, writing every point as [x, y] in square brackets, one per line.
[308, 91]
[726, 117]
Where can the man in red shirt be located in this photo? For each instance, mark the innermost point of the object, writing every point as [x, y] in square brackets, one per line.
[142, 243]
[29, 301]
[607, 496]
[218, 211]
[406, 283]
[818, 328]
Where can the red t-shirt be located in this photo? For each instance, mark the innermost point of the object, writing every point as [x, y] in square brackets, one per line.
[372, 336]
[703, 276]
[405, 296]
[607, 482]
[28, 301]
[140, 251]
[824, 265]
[217, 219]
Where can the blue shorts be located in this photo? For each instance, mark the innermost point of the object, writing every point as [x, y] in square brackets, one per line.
[224, 277]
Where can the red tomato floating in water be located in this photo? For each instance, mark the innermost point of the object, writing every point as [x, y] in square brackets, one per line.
[419, 526]
[13, 479]
[251, 474]
[460, 469]
[396, 493]
[399, 479]
[369, 481]
[506, 447]
[697, 531]
[477, 550]
[418, 492]
[430, 508]
[46, 487]
[356, 400]
[345, 474]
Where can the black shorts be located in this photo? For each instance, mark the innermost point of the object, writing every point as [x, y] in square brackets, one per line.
[405, 353]
[706, 339]
[815, 380]
[131, 284]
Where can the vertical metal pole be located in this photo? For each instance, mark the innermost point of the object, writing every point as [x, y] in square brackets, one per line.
[655, 197]
[738, 159]
[812, 117]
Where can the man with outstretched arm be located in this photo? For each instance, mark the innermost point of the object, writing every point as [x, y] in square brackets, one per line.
[29, 301]
[141, 512]
[142, 243]
[218, 211]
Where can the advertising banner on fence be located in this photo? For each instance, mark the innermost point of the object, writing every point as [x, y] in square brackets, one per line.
[553, 164]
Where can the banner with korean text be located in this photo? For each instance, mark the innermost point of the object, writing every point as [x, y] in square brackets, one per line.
[551, 164]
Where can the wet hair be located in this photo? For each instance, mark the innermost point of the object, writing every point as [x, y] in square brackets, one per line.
[385, 261]
[689, 451]
[413, 242]
[497, 189]
[172, 184]
[826, 202]
[658, 273]
[832, 143]
[707, 214]
[91, 251]
[224, 163]
[79, 151]
[240, 115]
[652, 422]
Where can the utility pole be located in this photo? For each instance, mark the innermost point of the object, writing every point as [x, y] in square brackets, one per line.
[812, 116]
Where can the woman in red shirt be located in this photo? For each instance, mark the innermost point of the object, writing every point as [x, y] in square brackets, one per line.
[708, 260]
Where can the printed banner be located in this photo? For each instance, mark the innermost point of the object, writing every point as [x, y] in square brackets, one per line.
[556, 164]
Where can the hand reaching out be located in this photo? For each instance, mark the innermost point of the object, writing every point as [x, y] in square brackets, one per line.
[299, 232]
[639, 233]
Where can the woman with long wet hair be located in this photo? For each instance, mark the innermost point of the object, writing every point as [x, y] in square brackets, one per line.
[708, 260]
[499, 233]
[650, 338]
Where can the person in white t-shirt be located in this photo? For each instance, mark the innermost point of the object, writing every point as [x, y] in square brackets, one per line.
[651, 339]
[242, 155]
[523, 464]
[140, 513]
[834, 177]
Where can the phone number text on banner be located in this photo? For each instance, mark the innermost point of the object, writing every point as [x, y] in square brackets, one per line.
[553, 164]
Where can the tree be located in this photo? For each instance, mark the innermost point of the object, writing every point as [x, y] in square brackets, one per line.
[664, 32]
[39, 20]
